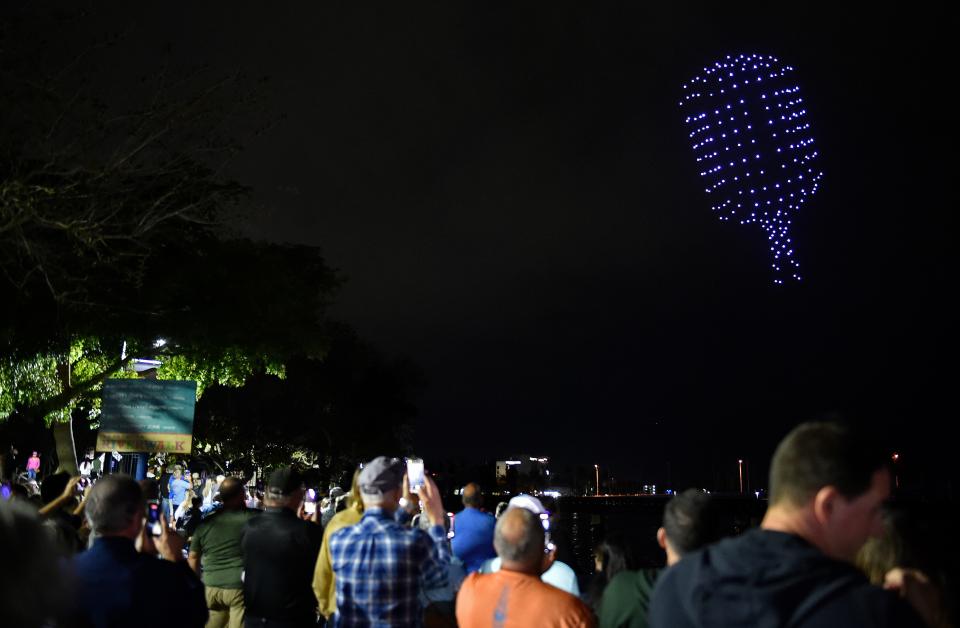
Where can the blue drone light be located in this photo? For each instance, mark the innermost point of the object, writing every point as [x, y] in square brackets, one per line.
[753, 147]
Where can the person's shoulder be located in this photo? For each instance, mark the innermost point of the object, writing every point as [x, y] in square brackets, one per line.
[563, 568]
[472, 580]
[256, 520]
[87, 560]
[868, 605]
[561, 601]
[244, 513]
[559, 570]
[671, 580]
[343, 533]
[478, 583]
[210, 519]
[475, 514]
[468, 594]
[633, 580]
[348, 516]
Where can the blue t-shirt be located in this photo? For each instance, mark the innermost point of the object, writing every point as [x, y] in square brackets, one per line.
[473, 538]
[178, 491]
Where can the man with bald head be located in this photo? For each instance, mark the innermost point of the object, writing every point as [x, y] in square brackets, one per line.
[515, 595]
[473, 530]
[216, 545]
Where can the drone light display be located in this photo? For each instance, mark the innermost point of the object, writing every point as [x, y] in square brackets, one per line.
[754, 148]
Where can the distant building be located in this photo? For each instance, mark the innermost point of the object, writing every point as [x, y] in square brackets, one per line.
[525, 473]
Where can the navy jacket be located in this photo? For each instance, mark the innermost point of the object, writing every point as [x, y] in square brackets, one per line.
[766, 579]
[116, 587]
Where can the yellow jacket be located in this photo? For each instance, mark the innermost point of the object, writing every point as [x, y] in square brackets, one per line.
[323, 583]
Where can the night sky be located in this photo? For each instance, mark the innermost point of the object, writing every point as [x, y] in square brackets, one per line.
[511, 194]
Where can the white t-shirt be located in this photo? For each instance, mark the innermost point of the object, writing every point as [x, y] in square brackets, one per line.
[560, 575]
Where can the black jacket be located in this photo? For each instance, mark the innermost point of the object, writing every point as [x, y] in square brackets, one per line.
[118, 587]
[766, 579]
[279, 555]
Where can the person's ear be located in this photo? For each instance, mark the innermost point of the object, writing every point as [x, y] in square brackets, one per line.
[825, 504]
[662, 538]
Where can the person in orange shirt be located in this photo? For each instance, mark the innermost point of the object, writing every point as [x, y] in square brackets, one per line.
[515, 596]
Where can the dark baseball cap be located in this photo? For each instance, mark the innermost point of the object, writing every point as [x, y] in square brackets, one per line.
[380, 475]
[285, 481]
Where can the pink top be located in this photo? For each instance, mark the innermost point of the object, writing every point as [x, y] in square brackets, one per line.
[33, 462]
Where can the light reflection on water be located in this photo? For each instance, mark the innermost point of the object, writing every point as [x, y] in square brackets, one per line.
[577, 528]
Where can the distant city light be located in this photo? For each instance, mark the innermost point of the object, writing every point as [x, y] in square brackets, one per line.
[720, 106]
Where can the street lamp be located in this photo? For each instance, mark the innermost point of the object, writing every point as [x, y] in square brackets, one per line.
[596, 468]
[740, 466]
[896, 475]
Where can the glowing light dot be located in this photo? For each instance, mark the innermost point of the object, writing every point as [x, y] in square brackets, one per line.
[776, 215]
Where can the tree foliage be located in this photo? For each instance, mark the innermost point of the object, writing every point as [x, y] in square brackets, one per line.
[117, 229]
[348, 407]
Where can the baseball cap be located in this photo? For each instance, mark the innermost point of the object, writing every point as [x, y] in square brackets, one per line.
[534, 505]
[284, 481]
[380, 475]
[529, 502]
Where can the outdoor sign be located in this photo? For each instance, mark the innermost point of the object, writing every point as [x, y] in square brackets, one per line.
[147, 415]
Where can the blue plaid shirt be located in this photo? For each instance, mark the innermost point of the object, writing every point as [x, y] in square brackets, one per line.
[379, 566]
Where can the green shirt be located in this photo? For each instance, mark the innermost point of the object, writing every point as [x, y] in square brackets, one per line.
[217, 540]
[626, 599]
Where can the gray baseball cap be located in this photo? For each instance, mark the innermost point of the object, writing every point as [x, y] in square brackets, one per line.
[380, 475]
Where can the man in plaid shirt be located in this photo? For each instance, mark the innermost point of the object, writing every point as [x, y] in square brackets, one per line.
[380, 564]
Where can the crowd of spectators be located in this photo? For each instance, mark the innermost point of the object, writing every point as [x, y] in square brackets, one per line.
[830, 551]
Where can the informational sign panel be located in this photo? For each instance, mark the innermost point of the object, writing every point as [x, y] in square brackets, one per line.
[147, 415]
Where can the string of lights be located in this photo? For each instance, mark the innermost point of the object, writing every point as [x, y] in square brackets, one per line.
[754, 148]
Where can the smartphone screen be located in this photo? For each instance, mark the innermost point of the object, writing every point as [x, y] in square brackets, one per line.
[415, 474]
[309, 507]
[153, 517]
[548, 545]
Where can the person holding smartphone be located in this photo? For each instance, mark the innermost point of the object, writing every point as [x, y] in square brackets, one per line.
[119, 577]
[380, 564]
